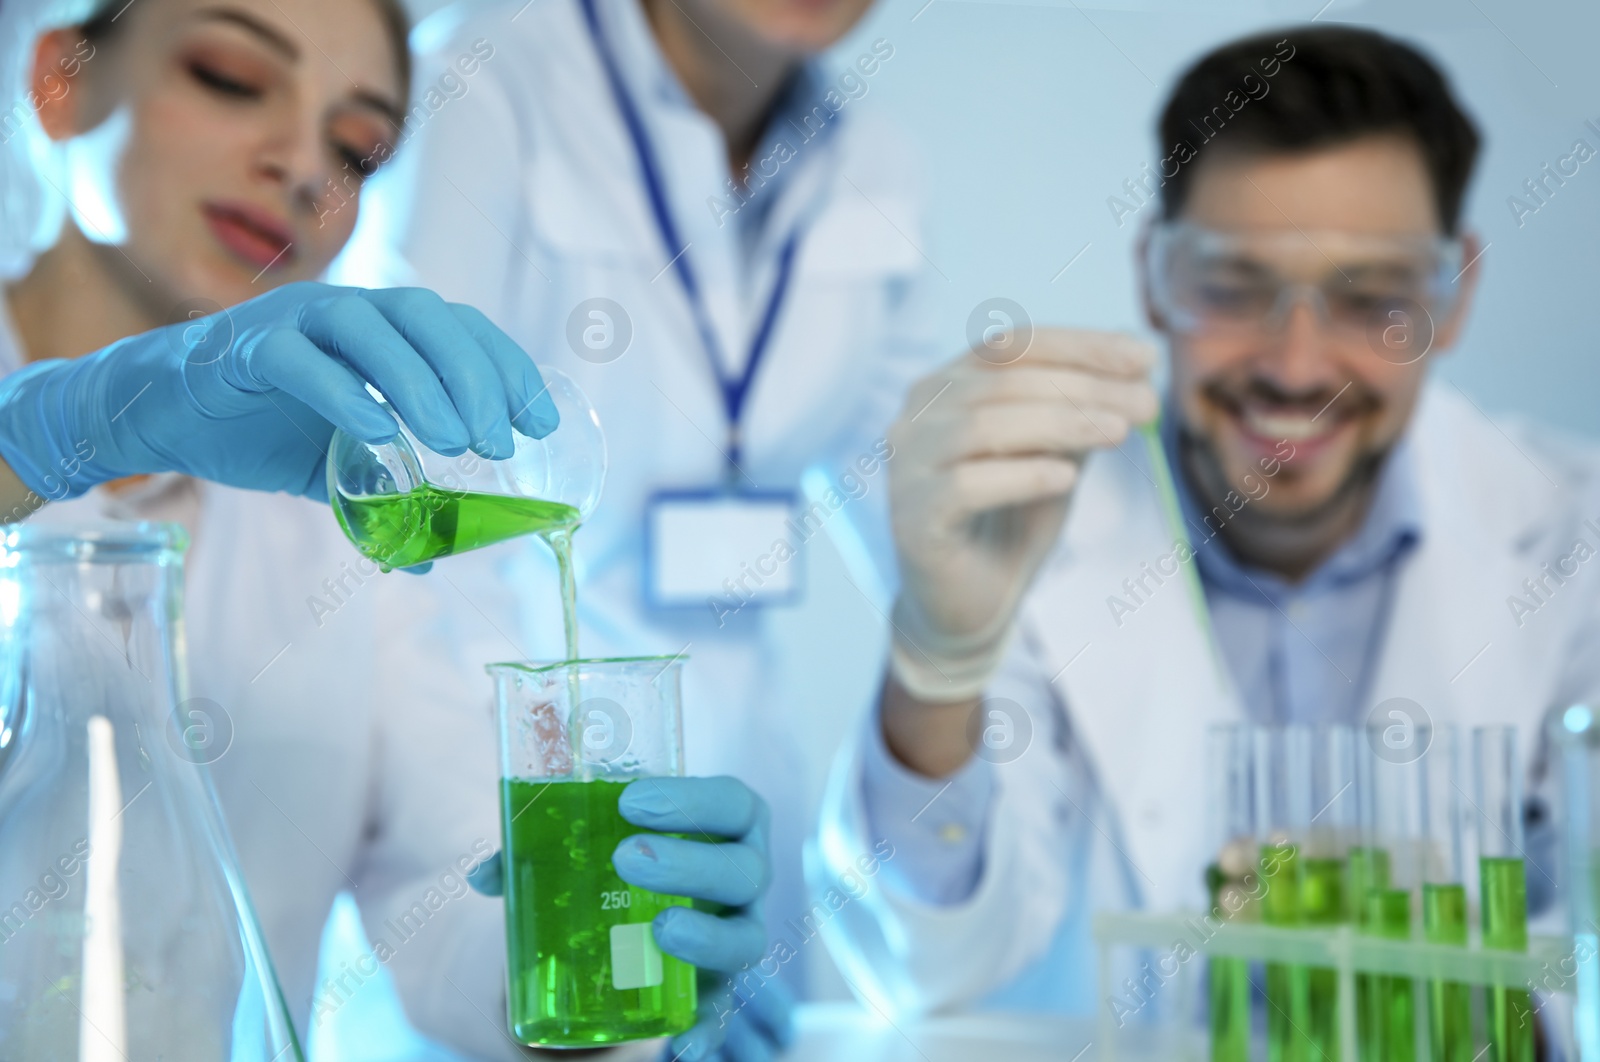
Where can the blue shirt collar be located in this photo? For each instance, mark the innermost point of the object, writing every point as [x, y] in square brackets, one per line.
[1392, 528]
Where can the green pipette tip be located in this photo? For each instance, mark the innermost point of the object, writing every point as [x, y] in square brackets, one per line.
[1172, 511]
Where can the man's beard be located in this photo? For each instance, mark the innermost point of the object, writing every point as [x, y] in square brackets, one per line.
[1276, 539]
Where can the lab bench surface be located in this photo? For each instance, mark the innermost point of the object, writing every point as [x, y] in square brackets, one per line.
[841, 1032]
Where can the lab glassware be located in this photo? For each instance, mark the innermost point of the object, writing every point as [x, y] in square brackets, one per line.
[1502, 883]
[1574, 730]
[583, 968]
[125, 928]
[1392, 826]
[1444, 891]
[1282, 775]
[403, 504]
[1230, 881]
[1328, 835]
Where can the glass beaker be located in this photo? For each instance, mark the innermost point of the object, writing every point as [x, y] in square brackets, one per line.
[402, 504]
[582, 965]
[125, 929]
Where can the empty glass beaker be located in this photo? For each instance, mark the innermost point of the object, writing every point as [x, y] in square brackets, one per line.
[125, 930]
[582, 965]
[403, 504]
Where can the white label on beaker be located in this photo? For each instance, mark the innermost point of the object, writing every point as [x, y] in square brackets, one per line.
[635, 959]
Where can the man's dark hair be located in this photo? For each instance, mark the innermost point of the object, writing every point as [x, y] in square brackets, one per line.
[1337, 84]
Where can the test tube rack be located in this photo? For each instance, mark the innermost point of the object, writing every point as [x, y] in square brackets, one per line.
[1342, 948]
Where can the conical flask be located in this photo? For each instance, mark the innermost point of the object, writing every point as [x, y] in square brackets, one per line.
[126, 934]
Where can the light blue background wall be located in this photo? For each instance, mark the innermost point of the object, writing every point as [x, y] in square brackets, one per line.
[1030, 113]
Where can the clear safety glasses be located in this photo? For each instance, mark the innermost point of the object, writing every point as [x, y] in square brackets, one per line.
[1215, 283]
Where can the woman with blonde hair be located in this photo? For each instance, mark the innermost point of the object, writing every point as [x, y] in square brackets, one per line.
[168, 355]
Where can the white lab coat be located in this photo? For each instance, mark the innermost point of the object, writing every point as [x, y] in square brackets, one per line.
[362, 753]
[522, 197]
[1120, 714]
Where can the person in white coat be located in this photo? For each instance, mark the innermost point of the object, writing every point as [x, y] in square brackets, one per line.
[680, 205]
[1352, 538]
[198, 151]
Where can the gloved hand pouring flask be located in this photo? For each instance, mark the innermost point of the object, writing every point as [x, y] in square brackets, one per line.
[403, 504]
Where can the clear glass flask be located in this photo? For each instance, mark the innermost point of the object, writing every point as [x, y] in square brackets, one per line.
[402, 504]
[582, 965]
[125, 929]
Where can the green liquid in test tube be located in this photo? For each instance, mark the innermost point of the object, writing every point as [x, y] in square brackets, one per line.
[1444, 893]
[1288, 987]
[1504, 896]
[1232, 834]
[1392, 866]
[1368, 870]
[1391, 1033]
[1503, 886]
[1444, 921]
[1283, 820]
[1229, 988]
[1323, 903]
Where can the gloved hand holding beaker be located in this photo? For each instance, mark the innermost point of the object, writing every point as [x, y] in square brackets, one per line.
[723, 934]
[250, 396]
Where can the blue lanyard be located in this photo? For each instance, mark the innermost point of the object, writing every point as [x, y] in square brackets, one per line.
[735, 390]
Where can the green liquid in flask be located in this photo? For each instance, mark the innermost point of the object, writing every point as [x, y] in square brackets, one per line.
[1504, 895]
[399, 530]
[1444, 921]
[584, 966]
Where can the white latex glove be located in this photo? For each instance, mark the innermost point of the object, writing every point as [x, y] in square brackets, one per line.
[985, 459]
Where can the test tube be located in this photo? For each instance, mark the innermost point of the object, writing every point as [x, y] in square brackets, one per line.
[1444, 890]
[1502, 882]
[1322, 869]
[1368, 870]
[1229, 882]
[1282, 775]
[1386, 1004]
[1576, 732]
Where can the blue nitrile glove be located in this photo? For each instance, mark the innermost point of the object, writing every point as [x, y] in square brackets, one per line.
[745, 1014]
[250, 396]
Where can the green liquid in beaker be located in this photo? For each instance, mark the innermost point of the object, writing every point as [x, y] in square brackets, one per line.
[1444, 921]
[399, 530]
[1503, 888]
[575, 931]
[1391, 1009]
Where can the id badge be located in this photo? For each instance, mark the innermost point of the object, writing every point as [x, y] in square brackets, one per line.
[721, 547]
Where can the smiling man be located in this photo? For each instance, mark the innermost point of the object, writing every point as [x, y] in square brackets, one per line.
[1338, 546]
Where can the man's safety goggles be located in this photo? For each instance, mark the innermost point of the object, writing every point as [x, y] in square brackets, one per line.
[1214, 283]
